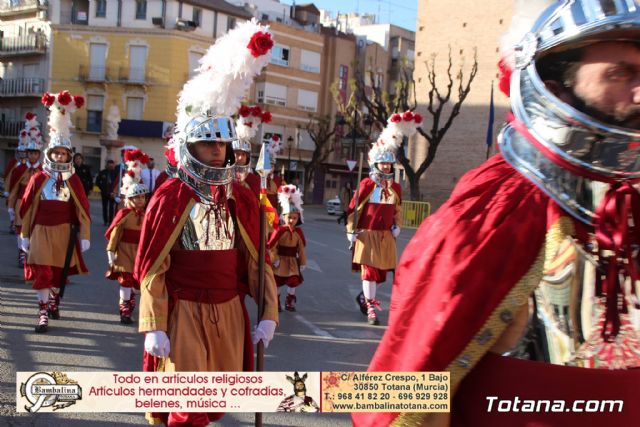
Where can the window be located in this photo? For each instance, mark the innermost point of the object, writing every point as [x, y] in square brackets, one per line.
[141, 9]
[135, 107]
[280, 55]
[197, 16]
[101, 9]
[137, 63]
[307, 100]
[310, 61]
[231, 23]
[95, 104]
[270, 93]
[97, 58]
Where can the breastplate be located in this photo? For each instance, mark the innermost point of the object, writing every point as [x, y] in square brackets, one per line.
[377, 196]
[566, 320]
[208, 228]
[50, 191]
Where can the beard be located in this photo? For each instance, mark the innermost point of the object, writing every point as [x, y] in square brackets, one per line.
[627, 118]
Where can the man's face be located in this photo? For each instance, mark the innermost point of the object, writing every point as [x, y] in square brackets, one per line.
[607, 83]
[151, 164]
[385, 167]
[60, 155]
[111, 166]
[210, 153]
[33, 156]
[241, 157]
[77, 160]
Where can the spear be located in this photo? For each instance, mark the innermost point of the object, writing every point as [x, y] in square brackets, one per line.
[355, 211]
[263, 167]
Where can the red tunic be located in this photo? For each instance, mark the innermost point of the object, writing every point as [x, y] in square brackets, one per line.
[453, 281]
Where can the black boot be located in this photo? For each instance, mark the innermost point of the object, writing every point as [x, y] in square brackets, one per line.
[125, 314]
[362, 303]
[54, 305]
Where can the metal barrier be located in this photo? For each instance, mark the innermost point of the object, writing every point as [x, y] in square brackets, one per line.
[413, 213]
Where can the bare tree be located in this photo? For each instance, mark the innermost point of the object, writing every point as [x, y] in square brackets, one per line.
[321, 131]
[442, 109]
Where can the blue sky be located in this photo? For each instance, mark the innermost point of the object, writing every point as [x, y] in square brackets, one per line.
[398, 12]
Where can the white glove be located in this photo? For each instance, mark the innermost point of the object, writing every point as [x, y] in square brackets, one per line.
[12, 214]
[264, 331]
[117, 199]
[352, 237]
[156, 343]
[84, 245]
[111, 256]
[6, 194]
[25, 243]
[276, 263]
[302, 268]
[395, 230]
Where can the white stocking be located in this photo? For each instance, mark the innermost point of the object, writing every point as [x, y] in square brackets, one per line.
[125, 293]
[43, 295]
[291, 291]
[369, 289]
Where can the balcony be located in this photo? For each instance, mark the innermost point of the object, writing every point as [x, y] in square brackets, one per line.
[137, 76]
[18, 7]
[11, 128]
[94, 74]
[30, 44]
[22, 87]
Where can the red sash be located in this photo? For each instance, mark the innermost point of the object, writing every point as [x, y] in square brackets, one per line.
[130, 236]
[287, 250]
[377, 216]
[203, 276]
[55, 212]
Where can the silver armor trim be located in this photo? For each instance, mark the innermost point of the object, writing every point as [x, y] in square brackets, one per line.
[52, 168]
[198, 175]
[576, 195]
[208, 228]
[565, 322]
[241, 172]
[50, 192]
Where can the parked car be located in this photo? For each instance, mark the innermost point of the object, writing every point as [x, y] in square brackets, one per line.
[333, 206]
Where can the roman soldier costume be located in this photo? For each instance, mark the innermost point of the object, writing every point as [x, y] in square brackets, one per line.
[19, 159]
[22, 173]
[198, 255]
[249, 119]
[123, 235]
[118, 184]
[379, 214]
[524, 283]
[53, 206]
[287, 244]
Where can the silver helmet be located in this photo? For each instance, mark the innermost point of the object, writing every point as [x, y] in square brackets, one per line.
[583, 148]
[203, 128]
[242, 171]
[137, 189]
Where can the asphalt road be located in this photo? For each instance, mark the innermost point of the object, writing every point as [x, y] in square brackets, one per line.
[327, 333]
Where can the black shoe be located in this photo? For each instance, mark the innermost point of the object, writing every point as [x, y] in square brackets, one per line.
[125, 320]
[362, 303]
[41, 328]
[54, 314]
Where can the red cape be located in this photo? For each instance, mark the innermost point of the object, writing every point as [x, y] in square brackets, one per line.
[17, 174]
[365, 189]
[38, 180]
[120, 215]
[457, 269]
[253, 181]
[167, 211]
[275, 235]
[8, 168]
[162, 177]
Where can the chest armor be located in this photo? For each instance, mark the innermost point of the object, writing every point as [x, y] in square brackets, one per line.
[382, 196]
[208, 228]
[51, 192]
[567, 318]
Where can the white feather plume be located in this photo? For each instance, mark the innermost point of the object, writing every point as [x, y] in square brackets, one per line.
[225, 74]
[525, 14]
[289, 195]
[390, 139]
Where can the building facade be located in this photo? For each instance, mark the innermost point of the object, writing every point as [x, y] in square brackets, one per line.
[132, 57]
[463, 26]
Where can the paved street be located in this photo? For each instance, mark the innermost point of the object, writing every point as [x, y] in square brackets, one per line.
[327, 332]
